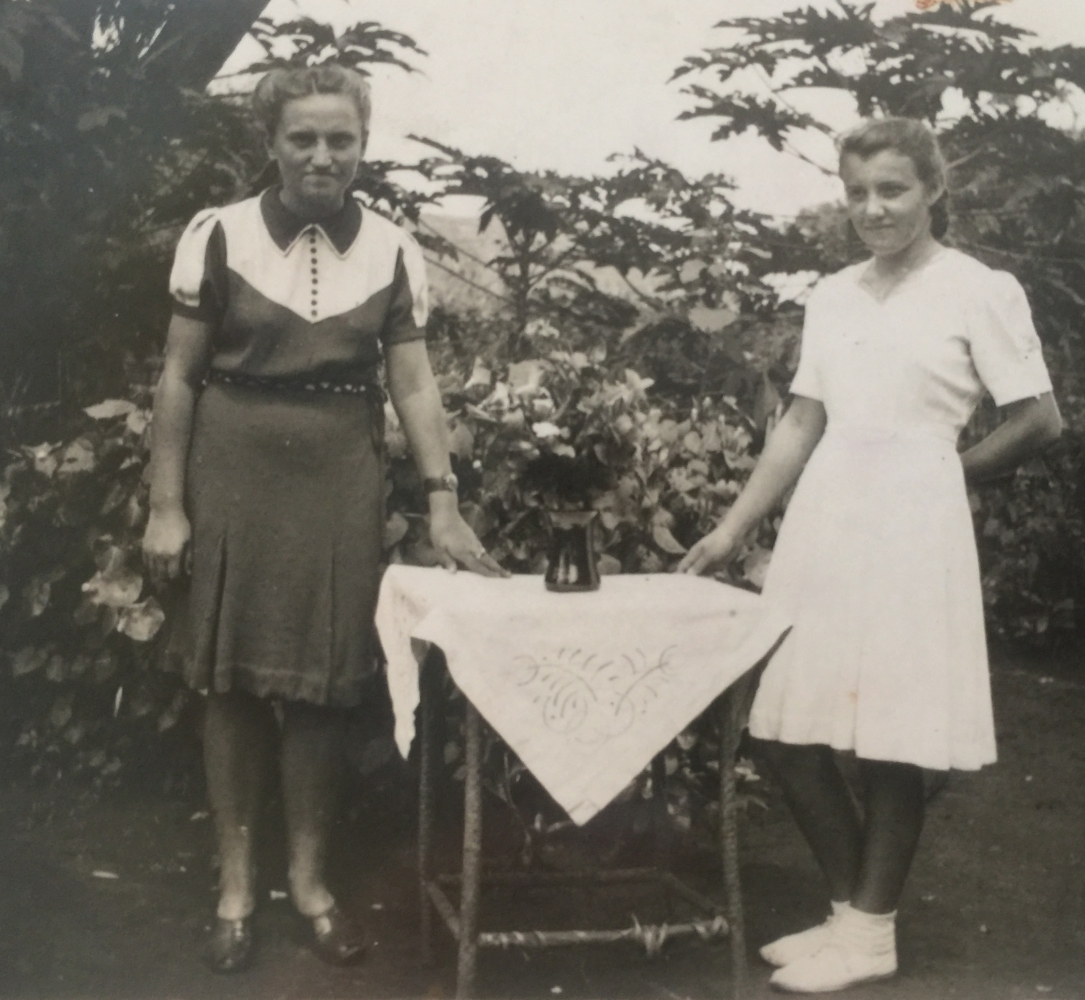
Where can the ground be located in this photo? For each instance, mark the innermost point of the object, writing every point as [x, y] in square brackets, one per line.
[111, 896]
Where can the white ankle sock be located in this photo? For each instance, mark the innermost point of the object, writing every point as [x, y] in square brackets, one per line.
[874, 933]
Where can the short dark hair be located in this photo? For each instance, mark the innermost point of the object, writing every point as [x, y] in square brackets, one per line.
[279, 86]
[908, 137]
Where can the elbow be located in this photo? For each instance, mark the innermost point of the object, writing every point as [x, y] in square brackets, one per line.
[179, 376]
[1044, 424]
[1051, 424]
[1054, 429]
[176, 388]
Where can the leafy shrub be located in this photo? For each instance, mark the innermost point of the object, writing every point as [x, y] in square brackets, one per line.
[1029, 531]
[665, 472]
[76, 614]
[81, 627]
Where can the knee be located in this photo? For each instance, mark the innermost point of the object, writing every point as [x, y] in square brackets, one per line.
[236, 712]
[302, 718]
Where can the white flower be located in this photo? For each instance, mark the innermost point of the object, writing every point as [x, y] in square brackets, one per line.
[546, 430]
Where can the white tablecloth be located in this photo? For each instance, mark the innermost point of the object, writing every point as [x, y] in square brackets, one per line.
[585, 688]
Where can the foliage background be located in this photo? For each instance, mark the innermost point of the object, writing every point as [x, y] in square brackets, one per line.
[635, 331]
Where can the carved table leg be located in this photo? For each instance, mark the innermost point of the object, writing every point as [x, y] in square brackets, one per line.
[426, 805]
[661, 827]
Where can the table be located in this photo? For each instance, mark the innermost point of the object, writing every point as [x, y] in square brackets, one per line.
[587, 689]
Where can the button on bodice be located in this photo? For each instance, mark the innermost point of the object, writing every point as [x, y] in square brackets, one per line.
[314, 272]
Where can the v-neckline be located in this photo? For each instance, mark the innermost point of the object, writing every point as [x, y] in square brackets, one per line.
[905, 279]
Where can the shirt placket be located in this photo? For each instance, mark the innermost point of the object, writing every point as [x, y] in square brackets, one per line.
[314, 273]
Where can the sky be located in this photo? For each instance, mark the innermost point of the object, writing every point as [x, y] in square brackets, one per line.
[563, 84]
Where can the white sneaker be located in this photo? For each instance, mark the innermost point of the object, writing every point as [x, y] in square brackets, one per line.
[835, 967]
[783, 951]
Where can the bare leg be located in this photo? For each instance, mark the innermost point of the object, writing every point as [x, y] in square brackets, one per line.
[865, 862]
[311, 768]
[238, 733]
[822, 804]
[893, 801]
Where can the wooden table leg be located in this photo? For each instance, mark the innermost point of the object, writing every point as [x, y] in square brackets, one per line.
[426, 804]
[661, 825]
[730, 707]
[472, 856]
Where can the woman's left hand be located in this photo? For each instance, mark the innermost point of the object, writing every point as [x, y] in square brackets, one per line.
[455, 544]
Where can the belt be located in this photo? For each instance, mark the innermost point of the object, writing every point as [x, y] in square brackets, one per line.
[297, 383]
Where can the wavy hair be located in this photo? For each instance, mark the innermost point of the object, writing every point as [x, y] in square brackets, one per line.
[279, 86]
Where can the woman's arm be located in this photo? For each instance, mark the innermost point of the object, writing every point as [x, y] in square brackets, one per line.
[786, 452]
[168, 531]
[417, 400]
[1030, 425]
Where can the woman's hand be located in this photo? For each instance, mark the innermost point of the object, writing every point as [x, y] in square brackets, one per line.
[166, 542]
[166, 548]
[418, 402]
[456, 543]
[785, 454]
[716, 548]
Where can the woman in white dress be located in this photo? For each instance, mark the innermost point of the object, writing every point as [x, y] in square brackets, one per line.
[876, 560]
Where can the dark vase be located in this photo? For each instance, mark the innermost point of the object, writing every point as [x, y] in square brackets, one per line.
[571, 563]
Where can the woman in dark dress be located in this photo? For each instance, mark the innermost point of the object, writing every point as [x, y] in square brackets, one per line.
[267, 478]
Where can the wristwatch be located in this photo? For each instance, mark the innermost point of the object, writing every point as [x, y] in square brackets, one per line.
[448, 483]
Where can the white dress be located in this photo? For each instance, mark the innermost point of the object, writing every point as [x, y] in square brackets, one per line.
[876, 559]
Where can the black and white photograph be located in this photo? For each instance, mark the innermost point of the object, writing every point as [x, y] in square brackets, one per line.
[542, 499]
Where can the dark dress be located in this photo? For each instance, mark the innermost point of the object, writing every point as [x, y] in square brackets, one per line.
[285, 476]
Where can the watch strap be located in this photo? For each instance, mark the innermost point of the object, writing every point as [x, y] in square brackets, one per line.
[434, 484]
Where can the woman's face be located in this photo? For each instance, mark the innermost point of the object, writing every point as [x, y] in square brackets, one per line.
[887, 202]
[318, 144]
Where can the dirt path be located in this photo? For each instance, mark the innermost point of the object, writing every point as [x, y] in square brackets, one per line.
[995, 909]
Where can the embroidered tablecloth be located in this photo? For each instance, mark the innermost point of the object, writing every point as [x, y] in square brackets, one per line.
[586, 688]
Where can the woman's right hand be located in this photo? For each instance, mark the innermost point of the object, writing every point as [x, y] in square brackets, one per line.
[166, 544]
[716, 548]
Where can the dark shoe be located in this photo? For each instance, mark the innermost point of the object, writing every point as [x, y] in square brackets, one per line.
[230, 947]
[335, 937]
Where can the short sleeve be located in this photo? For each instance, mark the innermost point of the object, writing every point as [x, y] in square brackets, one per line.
[807, 380]
[1005, 346]
[198, 283]
[409, 306]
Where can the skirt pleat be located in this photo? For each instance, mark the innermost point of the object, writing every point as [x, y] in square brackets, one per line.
[876, 566]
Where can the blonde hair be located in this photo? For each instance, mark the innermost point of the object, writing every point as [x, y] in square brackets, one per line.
[280, 86]
[908, 137]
